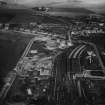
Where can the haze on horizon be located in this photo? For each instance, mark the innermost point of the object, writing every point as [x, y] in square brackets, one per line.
[94, 5]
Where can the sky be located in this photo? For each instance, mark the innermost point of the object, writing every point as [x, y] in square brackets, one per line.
[32, 2]
[92, 2]
[95, 5]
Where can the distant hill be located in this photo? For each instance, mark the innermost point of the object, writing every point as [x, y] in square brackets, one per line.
[26, 15]
[22, 16]
[4, 18]
[70, 12]
[14, 11]
[75, 10]
[26, 18]
[6, 14]
[103, 14]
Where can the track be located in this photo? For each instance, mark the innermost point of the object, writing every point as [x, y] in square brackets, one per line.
[71, 56]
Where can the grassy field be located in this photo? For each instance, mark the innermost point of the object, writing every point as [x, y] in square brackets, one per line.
[12, 46]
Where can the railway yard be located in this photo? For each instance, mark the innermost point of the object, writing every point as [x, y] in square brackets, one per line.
[54, 68]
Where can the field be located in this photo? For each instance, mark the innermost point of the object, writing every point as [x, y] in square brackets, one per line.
[12, 46]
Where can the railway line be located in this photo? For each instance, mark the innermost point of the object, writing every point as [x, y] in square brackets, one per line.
[70, 70]
[67, 71]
